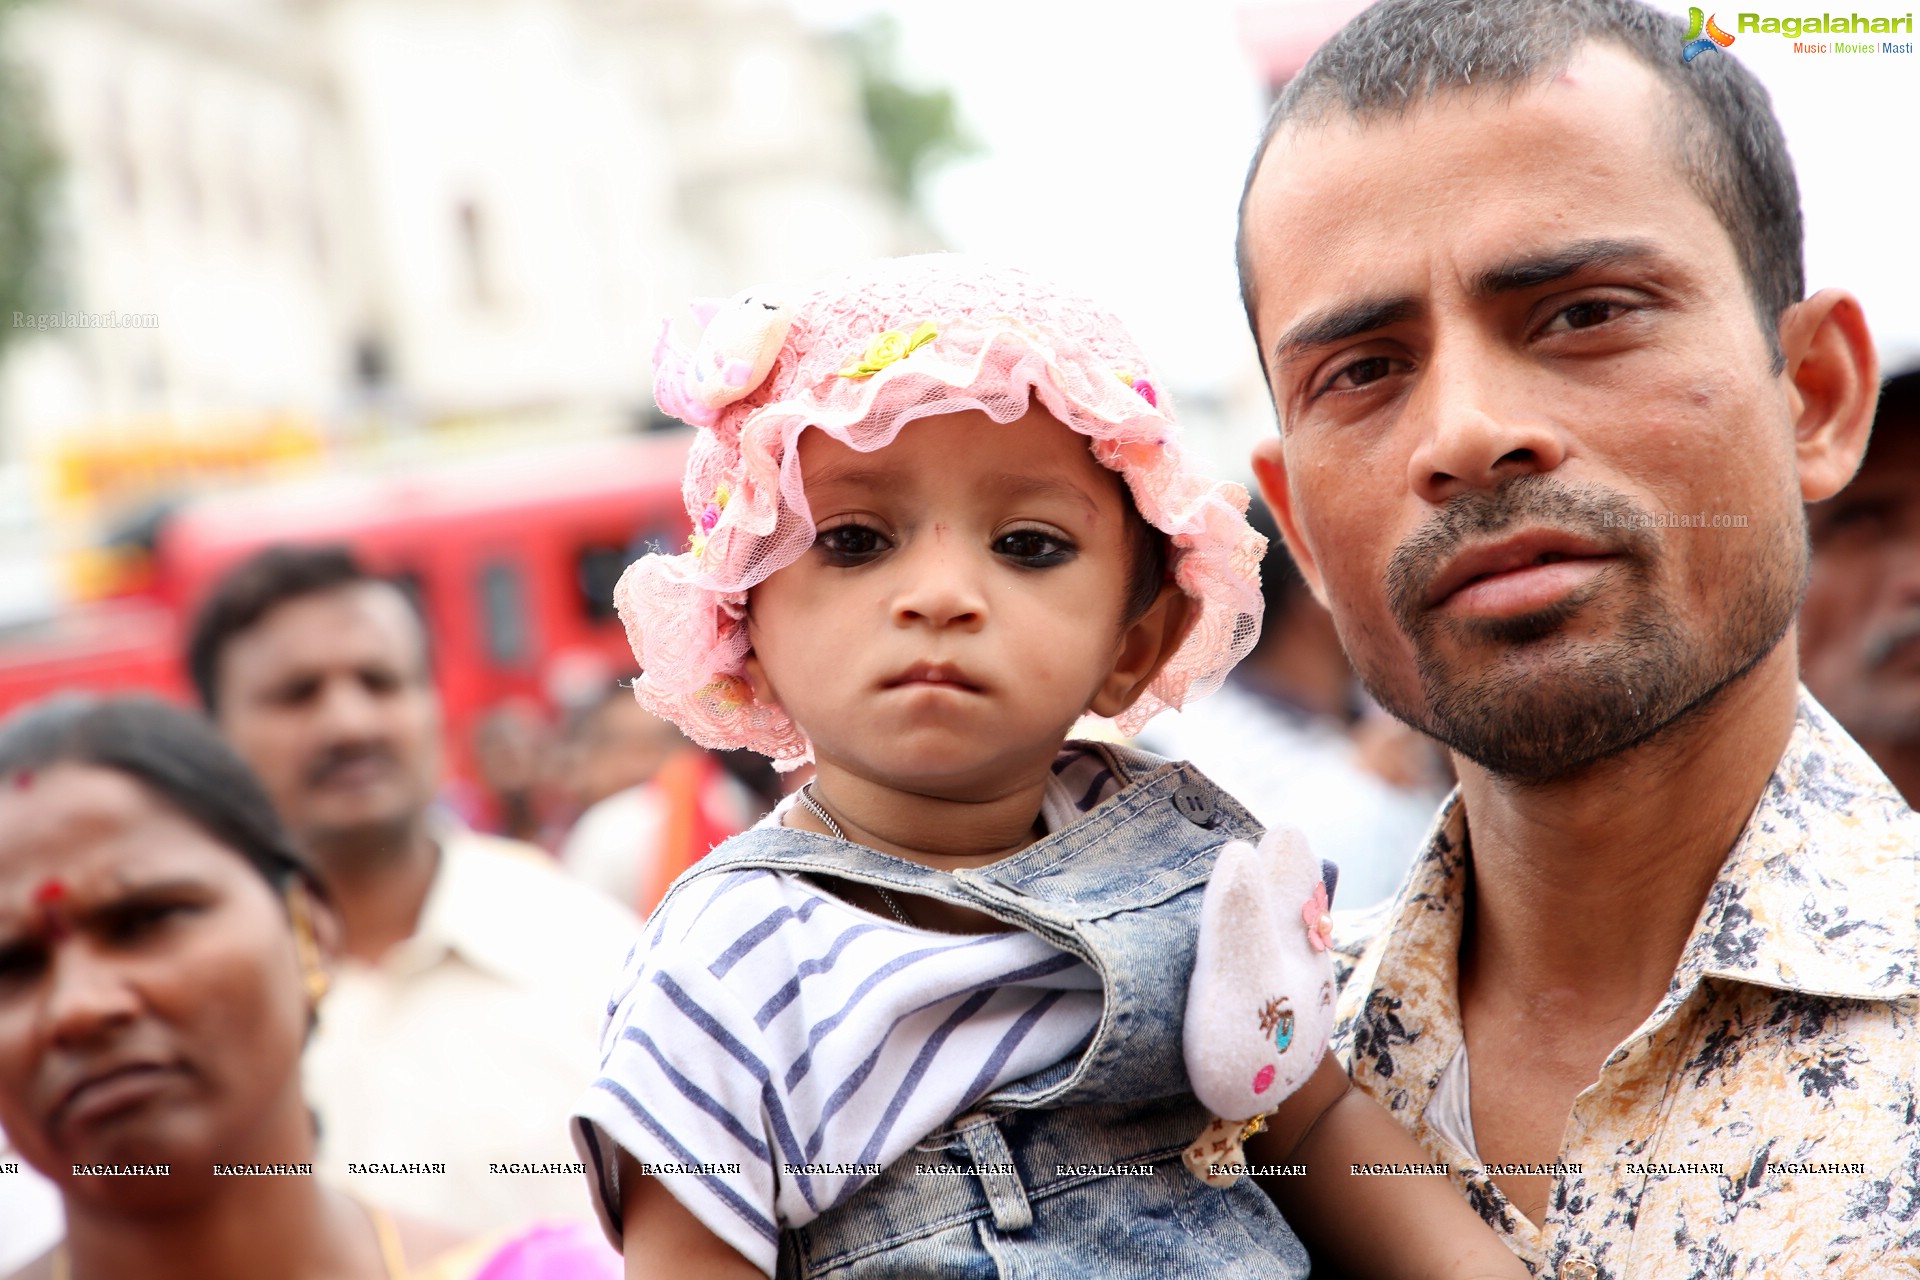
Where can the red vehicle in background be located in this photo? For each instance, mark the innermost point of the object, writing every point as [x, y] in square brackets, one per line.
[512, 558]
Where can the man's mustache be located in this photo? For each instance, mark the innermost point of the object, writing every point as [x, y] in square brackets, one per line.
[1527, 501]
[337, 759]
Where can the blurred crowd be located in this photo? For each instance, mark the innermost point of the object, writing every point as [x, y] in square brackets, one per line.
[426, 1002]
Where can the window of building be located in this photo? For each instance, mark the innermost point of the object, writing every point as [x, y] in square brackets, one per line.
[506, 623]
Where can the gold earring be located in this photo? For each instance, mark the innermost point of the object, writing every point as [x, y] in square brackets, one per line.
[318, 982]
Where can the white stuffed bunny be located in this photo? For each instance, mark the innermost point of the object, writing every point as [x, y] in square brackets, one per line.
[1260, 1004]
[740, 341]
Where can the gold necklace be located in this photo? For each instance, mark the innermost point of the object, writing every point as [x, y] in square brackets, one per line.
[393, 1258]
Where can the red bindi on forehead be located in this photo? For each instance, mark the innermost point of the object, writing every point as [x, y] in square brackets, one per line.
[50, 899]
[23, 780]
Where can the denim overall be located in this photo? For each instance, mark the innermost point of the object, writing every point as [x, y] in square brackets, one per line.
[1121, 889]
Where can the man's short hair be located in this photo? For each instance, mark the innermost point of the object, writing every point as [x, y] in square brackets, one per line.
[1399, 54]
[255, 588]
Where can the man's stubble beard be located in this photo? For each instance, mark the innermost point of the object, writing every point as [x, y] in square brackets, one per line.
[1542, 719]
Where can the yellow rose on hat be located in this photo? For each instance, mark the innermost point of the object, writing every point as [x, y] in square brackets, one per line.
[889, 348]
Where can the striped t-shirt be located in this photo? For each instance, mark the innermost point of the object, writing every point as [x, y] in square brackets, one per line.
[770, 1047]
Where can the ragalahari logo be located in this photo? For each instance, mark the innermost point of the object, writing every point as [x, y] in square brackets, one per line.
[1698, 44]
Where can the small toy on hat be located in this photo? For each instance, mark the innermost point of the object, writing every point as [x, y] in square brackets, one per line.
[737, 347]
[1260, 1003]
[858, 359]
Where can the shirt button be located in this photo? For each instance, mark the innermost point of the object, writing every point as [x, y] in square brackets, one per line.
[1578, 1265]
[1195, 805]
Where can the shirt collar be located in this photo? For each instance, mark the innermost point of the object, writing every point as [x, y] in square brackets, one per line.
[469, 911]
[1821, 892]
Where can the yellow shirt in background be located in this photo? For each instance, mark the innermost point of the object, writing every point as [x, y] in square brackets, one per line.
[444, 1075]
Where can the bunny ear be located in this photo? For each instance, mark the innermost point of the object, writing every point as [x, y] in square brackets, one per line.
[1287, 846]
[672, 367]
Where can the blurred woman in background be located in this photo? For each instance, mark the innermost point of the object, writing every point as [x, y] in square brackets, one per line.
[162, 955]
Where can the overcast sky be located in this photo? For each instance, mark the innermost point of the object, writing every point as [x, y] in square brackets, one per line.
[1117, 133]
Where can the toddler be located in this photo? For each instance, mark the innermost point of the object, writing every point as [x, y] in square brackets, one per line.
[926, 1020]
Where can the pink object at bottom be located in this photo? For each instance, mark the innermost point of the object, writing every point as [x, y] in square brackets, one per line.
[554, 1251]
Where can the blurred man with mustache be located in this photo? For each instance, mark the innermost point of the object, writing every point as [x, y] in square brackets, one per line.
[464, 1015]
[1527, 288]
[1860, 625]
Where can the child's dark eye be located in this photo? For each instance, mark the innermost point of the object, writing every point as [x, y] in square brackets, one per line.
[849, 544]
[1034, 548]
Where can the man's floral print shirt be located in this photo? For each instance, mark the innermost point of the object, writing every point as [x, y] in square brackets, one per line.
[1763, 1120]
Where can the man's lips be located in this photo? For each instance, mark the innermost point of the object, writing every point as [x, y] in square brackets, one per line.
[101, 1093]
[1518, 574]
[940, 674]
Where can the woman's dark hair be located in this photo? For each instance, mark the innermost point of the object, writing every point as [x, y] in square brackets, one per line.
[176, 755]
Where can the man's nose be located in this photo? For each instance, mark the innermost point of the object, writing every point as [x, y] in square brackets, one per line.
[1481, 421]
[940, 584]
[348, 709]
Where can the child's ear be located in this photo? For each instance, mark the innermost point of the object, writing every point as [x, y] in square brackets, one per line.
[757, 680]
[755, 670]
[1145, 645]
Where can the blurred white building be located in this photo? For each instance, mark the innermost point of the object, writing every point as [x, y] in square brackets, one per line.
[423, 209]
[203, 154]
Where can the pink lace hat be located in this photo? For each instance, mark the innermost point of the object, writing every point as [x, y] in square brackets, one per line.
[860, 358]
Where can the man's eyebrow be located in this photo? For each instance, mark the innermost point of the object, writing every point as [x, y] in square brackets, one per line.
[1530, 271]
[1351, 319]
[1337, 324]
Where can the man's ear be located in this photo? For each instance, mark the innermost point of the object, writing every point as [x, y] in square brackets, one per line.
[1270, 470]
[1833, 383]
[1145, 646]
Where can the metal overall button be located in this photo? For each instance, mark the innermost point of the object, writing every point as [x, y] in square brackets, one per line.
[1195, 805]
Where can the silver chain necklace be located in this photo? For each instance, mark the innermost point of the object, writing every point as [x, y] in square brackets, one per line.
[819, 811]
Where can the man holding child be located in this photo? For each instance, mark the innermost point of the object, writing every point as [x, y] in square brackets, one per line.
[1522, 278]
